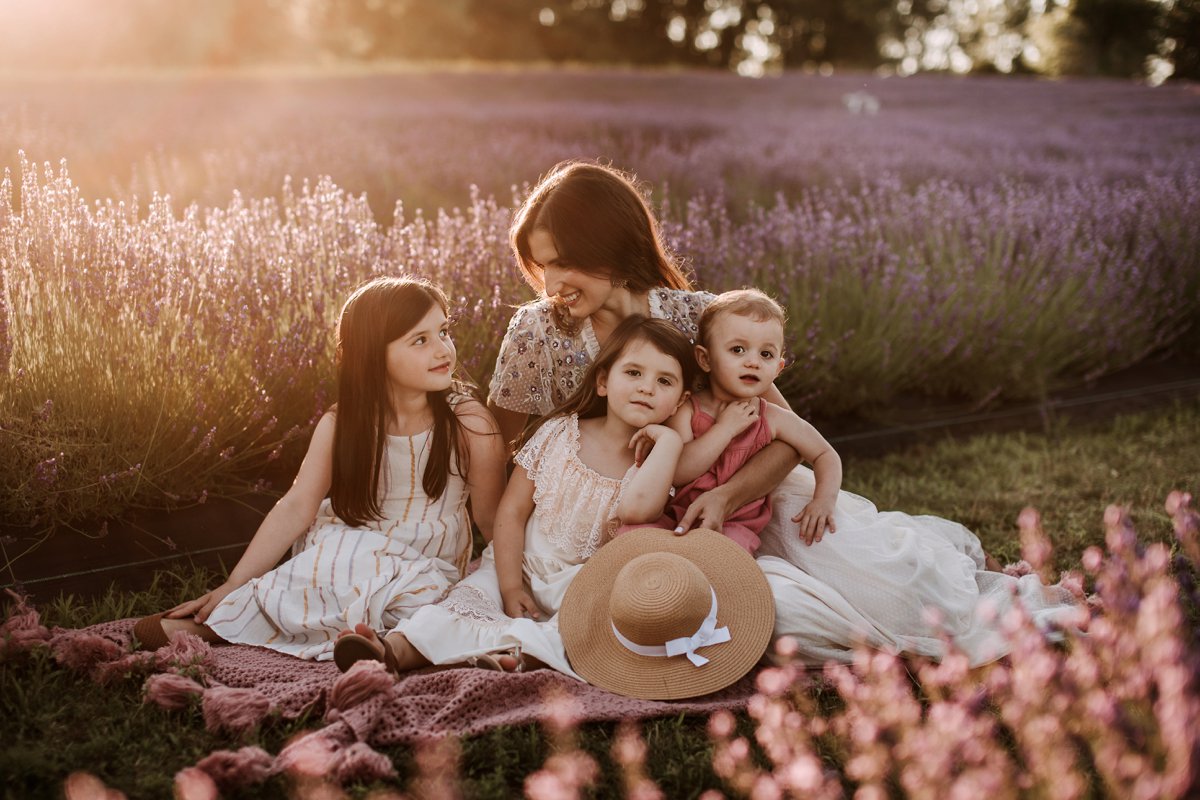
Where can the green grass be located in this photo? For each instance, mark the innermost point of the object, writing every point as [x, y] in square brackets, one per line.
[54, 722]
[1069, 474]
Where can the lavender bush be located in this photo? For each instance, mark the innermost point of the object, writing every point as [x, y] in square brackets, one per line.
[155, 357]
[424, 138]
[167, 303]
[984, 292]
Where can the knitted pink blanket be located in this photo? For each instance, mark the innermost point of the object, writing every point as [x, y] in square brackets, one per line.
[424, 704]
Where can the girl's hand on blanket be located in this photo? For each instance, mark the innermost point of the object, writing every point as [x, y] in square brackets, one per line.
[814, 519]
[202, 606]
[519, 605]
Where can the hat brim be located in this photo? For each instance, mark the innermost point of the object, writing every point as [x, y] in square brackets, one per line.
[744, 604]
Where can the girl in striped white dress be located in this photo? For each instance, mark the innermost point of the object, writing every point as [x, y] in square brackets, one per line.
[398, 457]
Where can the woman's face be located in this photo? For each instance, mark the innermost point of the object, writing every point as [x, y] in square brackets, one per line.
[580, 293]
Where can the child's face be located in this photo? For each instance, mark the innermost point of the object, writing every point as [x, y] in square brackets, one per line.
[423, 359]
[644, 385]
[743, 356]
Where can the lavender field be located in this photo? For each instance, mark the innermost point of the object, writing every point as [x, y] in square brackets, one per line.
[173, 253]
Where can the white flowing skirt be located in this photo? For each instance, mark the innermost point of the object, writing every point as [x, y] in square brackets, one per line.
[339, 577]
[891, 581]
[470, 620]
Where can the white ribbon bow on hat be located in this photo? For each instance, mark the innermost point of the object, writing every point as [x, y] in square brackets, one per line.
[708, 634]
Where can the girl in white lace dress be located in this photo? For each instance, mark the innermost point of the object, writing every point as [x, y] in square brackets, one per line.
[574, 484]
[398, 456]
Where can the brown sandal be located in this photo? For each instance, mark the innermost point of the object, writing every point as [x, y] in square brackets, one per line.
[151, 635]
[491, 661]
[348, 650]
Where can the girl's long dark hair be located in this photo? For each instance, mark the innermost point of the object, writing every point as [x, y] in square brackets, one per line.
[587, 402]
[377, 313]
[600, 225]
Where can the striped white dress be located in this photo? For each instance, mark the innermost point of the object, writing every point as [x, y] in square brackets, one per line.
[339, 576]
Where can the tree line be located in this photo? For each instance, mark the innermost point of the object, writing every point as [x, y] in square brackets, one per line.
[1121, 38]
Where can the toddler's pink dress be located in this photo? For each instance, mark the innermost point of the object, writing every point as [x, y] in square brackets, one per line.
[745, 524]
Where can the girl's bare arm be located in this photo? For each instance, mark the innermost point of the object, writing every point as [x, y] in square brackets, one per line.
[488, 454]
[508, 545]
[283, 525]
[646, 493]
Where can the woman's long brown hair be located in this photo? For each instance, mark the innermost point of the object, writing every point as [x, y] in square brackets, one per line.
[600, 225]
[587, 402]
[377, 313]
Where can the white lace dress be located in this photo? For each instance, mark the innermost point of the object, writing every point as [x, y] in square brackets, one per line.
[890, 580]
[575, 513]
[539, 365]
[339, 575]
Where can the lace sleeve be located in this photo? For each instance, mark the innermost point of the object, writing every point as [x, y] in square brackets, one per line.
[523, 367]
[533, 456]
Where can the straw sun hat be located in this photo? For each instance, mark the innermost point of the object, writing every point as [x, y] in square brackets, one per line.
[657, 616]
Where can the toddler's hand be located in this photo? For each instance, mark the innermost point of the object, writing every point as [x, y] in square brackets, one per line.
[737, 415]
[519, 605]
[814, 519]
